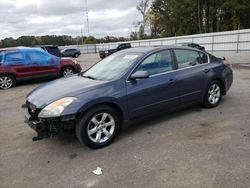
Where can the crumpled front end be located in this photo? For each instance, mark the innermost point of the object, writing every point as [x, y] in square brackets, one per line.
[46, 128]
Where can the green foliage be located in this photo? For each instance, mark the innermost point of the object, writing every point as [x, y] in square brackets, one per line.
[90, 40]
[183, 17]
[56, 40]
[33, 41]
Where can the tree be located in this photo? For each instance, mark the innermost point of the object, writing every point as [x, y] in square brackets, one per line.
[143, 9]
[161, 21]
[183, 17]
[90, 40]
[134, 35]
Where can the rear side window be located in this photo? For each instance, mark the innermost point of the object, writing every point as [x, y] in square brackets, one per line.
[14, 58]
[54, 51]
[38, 57]
[188, 58]
[203, 58]
[128, 45]
[157, 63]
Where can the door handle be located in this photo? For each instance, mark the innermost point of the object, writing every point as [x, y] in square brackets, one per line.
[206, 70]
[172, 81]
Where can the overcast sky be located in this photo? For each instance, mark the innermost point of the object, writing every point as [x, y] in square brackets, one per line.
[41, 17]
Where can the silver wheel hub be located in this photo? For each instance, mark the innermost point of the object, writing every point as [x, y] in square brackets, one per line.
[5, 82]
[101, 127]
[214, 94]
[67, 72]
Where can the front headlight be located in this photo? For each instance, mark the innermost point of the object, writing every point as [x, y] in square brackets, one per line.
[56, 108]
[75, 61]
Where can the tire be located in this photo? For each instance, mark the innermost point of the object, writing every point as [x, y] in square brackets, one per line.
[7, 81]
[67, 71]
[213, 94]
[93, 132]
[76, 55]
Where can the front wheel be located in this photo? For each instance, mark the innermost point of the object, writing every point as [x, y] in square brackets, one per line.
[7, 81]
[213, 94]
[98, 127]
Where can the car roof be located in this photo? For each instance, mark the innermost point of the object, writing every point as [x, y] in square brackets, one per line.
[144, 49]
[19, 48]
[46, 45]
[70, 49]
[9, 49]
[186, 43]
[148, 49]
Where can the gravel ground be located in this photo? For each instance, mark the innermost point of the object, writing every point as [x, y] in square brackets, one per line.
[195, 147]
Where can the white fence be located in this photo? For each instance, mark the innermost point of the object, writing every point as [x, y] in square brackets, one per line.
[221, 41]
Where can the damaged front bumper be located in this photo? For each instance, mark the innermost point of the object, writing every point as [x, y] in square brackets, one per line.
[46, 128]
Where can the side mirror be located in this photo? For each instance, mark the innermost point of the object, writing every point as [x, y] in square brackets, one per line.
[139, 75]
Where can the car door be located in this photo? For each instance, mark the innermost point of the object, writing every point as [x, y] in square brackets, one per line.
[15, 62]
[157, 92]
[193, 74]
[44, 63]
[68, 52]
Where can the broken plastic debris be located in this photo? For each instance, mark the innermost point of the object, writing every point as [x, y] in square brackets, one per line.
[98, 171]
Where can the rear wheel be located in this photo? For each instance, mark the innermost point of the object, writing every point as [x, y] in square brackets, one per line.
[67, 71]
[98, 127]
[76, 55]
[7, 81]
[213, 94]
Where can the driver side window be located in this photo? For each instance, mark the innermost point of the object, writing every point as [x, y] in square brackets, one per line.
[157, 63]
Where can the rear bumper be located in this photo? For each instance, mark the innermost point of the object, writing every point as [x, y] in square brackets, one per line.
[228, 76]
[78, 68]
[49, 127]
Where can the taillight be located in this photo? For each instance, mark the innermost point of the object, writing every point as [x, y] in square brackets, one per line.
[226, 62]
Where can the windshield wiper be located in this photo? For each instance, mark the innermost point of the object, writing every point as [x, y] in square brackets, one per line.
[90, 77]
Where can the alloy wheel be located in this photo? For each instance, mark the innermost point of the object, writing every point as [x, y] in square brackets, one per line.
[101, 128]
[5, 82]
[214, 94]
[68, 72]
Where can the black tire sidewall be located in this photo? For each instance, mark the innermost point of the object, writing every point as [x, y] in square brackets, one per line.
[206, 101]
[12, 79]
[82, 126]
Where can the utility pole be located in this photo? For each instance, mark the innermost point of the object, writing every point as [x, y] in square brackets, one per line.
[82, 36]
[87, 15]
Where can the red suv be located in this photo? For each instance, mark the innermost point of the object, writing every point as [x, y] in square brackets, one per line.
[23, 63]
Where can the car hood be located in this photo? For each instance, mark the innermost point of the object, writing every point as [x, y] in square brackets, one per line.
[64, 87]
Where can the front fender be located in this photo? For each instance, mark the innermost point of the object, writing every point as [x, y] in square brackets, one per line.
[79, 107]
[115, 95]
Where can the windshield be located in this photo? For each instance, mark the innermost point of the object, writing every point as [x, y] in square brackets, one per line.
[112, 67]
